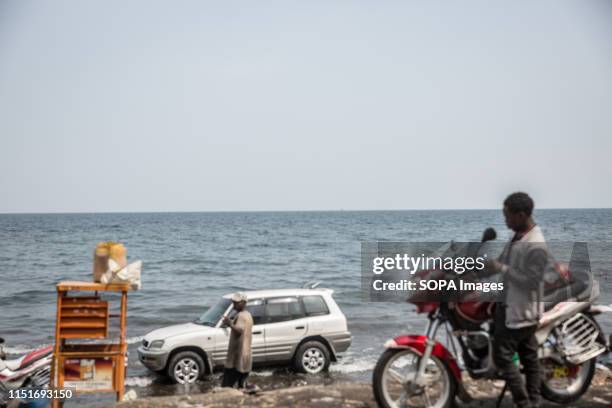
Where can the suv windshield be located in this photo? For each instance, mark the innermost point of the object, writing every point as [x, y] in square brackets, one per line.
[212, 315]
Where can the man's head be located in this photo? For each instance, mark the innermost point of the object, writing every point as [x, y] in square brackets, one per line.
[239, 300]
[518, 208]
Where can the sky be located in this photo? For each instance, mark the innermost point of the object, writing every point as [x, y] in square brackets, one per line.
[303, 105]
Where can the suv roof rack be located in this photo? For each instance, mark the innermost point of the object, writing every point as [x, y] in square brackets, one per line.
[311, 284]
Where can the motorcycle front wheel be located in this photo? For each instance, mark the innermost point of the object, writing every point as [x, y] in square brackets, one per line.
[394, 386]
[566, 383]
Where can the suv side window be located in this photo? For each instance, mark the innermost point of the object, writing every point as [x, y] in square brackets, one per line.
[315, 306]
[283, 309]
[256, 308]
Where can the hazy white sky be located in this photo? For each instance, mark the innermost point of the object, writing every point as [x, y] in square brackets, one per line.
[305, 105]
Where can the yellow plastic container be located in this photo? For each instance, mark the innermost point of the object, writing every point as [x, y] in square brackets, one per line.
[103, 253]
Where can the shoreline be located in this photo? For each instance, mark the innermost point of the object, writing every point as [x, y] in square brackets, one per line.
[356, 394]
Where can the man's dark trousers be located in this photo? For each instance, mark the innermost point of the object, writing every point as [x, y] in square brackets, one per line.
[231, 376]
[508, 341]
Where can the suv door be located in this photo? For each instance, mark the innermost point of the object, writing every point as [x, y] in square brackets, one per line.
[285, 327]
[258, 346]
[257, 309]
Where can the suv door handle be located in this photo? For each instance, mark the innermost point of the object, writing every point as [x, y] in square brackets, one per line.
[257, 332]
[299, 327]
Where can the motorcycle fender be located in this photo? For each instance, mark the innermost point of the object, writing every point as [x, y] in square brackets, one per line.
[418, 342]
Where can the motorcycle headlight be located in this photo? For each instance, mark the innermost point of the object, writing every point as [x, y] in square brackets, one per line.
[156, 344]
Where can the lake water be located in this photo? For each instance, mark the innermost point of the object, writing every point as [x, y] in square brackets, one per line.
[190, 259]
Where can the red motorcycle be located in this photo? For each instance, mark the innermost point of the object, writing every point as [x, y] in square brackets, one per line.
[419, 371]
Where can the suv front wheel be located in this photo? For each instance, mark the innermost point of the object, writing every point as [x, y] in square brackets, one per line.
[186, 367]
[312, 357]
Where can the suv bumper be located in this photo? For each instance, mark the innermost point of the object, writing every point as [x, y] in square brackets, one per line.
[153, 359]
[340, 341]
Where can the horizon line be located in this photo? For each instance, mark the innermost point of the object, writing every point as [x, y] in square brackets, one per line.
[282, 211]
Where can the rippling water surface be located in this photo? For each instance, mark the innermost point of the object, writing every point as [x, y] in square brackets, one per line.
[190, 259]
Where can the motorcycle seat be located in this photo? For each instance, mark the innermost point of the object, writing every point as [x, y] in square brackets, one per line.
[14, 364]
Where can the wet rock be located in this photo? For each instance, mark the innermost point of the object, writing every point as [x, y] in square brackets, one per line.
[353, 395]
[358, 395]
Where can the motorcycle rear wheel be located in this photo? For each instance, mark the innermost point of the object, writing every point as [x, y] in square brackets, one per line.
[568, 383]
[388, 382]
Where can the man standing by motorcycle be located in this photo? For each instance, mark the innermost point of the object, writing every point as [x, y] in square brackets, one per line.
[522, 264]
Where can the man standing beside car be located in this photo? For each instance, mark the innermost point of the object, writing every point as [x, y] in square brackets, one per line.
[522, 264]
[239, 360]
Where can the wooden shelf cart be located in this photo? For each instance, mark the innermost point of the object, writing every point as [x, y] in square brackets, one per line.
[88, 367]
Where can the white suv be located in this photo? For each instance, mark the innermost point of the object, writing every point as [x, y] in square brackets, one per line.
[302, 327]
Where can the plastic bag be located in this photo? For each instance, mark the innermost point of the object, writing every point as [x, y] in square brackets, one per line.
[129, 274]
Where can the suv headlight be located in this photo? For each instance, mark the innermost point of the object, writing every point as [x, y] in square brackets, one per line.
[156, 344]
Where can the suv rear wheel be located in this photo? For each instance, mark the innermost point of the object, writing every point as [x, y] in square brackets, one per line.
[312, 357]
[186, 367]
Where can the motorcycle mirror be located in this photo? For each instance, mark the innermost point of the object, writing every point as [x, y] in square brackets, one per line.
[489, 234]
[1, 340]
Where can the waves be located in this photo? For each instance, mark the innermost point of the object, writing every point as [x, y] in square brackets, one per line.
[355, 366]
[351, 363]
[25, 348]
[139, 381]
[21, 349]
[134, 340]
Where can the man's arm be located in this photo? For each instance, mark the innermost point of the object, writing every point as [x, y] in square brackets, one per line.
[531, 275]
[237, 327]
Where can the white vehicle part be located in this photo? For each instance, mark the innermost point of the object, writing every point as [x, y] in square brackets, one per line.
[578, 339]
[557, 314]
[130, 274]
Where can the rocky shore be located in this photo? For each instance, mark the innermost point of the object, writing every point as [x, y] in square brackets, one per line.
[356, 394]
